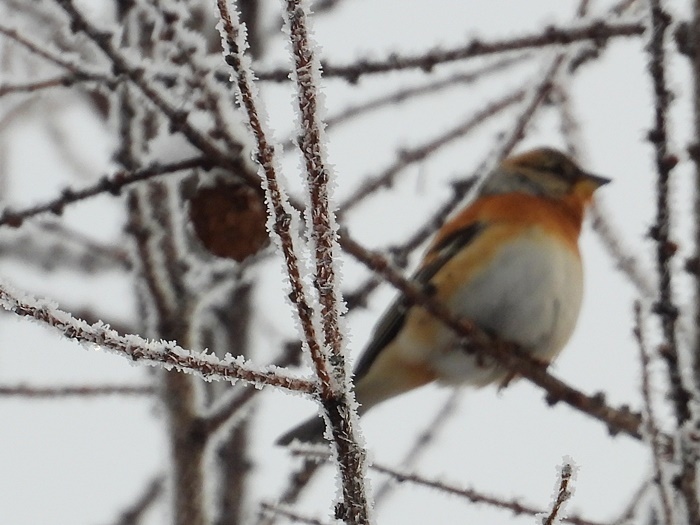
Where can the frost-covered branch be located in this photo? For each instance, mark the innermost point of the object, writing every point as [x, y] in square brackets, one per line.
[596, 31]
[323, 231]
[160, 353]
[137, 74]
[665, 307]
[233, 42]
[563, 495]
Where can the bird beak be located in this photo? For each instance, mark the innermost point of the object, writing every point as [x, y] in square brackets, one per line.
[595, 180]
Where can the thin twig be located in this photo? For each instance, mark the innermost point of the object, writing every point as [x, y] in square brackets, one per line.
[431, 88]
[421, 442]
[563, 495]
[34, 392]
[133, 514]
[661, 231]
[295, 517]
[474, 496]
[107, 184]
[296, 483]
[76, 71]
[39, 85]
[625, 261]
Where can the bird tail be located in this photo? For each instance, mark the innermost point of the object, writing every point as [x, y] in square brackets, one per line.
[310, 431]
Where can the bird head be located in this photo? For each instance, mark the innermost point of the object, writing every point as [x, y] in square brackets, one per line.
[543, 172]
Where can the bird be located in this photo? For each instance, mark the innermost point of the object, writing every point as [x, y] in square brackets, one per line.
[509, 261]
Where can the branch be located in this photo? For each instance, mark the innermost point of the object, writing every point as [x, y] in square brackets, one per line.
[233, 42]
[653, 436]
[665, 307]
[597, 31]
[294, 517]
[40, 85]
[563, 495]
[166, 354]
[107, 184]
[660, 232]
[33, 392]
[77, 72]
[133, 514]
[422, 442]
[404, 94]
[337, 397]
[178, 119]
[473, 496]
[386, 177]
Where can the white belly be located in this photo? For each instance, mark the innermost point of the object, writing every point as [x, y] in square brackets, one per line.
[530, 295]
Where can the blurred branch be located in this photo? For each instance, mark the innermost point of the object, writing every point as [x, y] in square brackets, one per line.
[597, 31]
[34, 392]
[77, 72]
[625, 261]
[133, 515]
[294, 517]
[692, 32]
[296, 483]
[422, 441]
[179, 119]
[431, 88]
[386, 177]
[652, 433]
[64, 81]
[107, 184]
[48, 249]
[665, 308]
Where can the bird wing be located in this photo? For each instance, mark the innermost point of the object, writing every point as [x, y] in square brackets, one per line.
[394, 318]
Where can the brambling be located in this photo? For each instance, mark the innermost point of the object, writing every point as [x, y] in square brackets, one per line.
[509, 262]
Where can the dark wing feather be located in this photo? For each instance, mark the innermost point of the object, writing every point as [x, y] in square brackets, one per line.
[394, 318]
